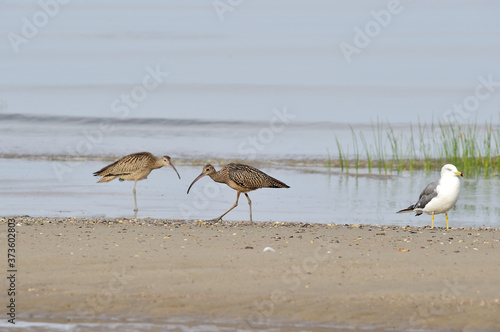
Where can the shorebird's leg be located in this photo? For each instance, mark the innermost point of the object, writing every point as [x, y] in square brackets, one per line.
[135, 198]
[250, 205]
[432, 225]
[446, 215]
[232, 207]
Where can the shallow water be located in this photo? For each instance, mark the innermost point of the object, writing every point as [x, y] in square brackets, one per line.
[173, 325]
[31, 187]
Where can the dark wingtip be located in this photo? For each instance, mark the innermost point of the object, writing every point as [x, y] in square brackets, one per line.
[278, 184]
[409, 209]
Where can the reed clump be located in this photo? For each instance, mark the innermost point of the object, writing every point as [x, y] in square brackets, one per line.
[475, 150]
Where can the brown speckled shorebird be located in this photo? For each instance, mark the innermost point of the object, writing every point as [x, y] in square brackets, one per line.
[242, 178]
[134, 167]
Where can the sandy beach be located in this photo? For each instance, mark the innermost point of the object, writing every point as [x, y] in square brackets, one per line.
[312, 274]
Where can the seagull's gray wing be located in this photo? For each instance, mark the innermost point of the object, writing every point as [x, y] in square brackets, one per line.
[425, 197]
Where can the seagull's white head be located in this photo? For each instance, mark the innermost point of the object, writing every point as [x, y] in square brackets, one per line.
[450, 169]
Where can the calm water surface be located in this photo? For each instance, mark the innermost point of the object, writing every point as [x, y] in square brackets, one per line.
[315, 195]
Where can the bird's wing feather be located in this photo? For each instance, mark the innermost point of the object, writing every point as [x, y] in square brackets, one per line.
[127, 164]
[427, 195]
[252, 178]
[242, 176]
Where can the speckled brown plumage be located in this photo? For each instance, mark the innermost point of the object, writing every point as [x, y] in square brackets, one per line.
[127, 166]
[248, 178]
[242, 178]
[133, 167]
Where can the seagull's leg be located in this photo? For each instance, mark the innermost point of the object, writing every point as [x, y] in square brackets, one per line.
[232, 207]
[446, 215]
[249, 204]
[432, 225]
[135, 198]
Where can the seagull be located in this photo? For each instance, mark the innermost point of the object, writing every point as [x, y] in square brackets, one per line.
[439, 196]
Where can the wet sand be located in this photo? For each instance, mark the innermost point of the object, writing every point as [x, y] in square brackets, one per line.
[317, 275]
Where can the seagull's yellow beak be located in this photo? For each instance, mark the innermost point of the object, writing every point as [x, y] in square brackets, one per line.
[459, 173]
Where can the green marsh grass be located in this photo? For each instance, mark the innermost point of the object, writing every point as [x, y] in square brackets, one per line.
[329, 162]
[474, 149]
[367, 152]
[356, 150]
[341, 155]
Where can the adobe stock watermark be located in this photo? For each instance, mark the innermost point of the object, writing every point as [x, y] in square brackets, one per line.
[222, 7]
[91, 138]
[451, 291]
[258, 142]
[201, 199]
[371, 30]
[138, 93]
[93, 307]
[121, 106]
[460, 112]
[292, 279]
[31, 27]
[3, 105]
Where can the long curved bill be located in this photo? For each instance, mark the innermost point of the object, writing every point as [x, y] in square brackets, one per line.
[171, 165]
[199, 177]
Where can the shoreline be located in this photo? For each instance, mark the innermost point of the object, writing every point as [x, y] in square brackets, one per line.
[318, 274]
